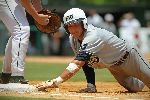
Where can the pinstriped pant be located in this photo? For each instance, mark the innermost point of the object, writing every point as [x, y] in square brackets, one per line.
[13, 16]
[134, 73]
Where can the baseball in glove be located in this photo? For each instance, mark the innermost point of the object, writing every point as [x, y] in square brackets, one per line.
[54, 22]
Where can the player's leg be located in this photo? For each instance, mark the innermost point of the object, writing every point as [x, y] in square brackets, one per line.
[90, 78]
[7, 57]
[132, 84]
[89, 74]
[15, 20]
[138, 66]
[6, 70]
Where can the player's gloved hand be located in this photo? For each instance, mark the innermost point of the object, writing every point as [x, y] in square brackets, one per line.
[47, 84]
[54, 83]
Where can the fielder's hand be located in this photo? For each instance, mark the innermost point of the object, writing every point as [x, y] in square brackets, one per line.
[48, 21]
[47, 84]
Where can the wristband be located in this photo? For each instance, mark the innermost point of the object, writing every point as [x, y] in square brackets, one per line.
[58, 80]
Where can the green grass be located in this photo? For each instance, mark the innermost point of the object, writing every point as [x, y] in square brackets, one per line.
[45, 71]
[24, 98]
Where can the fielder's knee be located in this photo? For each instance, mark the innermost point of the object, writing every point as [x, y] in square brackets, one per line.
[25, 34]
[26, 31]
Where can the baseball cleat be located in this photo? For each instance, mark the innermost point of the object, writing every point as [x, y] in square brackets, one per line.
[18, 79]
[89, 89]
[4, 78]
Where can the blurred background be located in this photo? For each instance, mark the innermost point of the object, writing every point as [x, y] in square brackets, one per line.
[128, 19]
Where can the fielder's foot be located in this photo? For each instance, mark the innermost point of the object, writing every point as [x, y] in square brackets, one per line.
[4, 78]
[18, 79]
[90, 89]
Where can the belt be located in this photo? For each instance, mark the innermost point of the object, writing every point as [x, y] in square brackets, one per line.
[121, 60]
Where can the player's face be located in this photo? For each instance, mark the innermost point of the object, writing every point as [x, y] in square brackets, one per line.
[76, 30]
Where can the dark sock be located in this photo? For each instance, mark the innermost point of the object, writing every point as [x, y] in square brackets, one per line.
[89, 73]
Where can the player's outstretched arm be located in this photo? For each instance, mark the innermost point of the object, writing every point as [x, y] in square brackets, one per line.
[71, 70]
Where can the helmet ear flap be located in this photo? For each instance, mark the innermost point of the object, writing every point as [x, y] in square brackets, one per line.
[85, 23]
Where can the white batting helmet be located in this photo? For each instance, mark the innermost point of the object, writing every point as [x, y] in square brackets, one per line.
[75, 15]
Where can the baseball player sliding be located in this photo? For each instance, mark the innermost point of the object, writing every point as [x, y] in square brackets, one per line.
[100, 48]
[12, 13]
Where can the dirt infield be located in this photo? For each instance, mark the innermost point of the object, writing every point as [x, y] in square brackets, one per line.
[69, 90]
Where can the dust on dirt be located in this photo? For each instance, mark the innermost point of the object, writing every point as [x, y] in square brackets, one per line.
[69, 90]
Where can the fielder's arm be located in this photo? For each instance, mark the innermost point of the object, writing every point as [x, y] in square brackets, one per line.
[40, 18]
[29, 8]
[37, 5]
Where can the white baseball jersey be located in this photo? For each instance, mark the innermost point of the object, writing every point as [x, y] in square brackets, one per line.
[101, 48]
[13, 16]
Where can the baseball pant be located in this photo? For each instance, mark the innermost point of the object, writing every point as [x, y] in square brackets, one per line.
[13, 16]
[134, 73]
